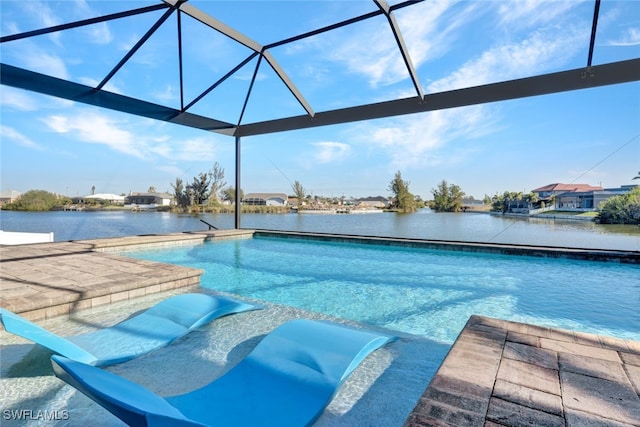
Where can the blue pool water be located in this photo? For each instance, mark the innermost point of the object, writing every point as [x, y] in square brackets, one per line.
[426, 292]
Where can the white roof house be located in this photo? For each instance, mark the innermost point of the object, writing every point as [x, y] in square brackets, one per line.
[266, 199]
[148, 200]
[113, 198]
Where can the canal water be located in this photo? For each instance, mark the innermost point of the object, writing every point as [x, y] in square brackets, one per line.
[425, 224]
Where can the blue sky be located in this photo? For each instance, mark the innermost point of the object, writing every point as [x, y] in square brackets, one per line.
[590, 136]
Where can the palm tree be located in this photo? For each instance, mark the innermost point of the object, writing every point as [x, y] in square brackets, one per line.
[636, 177]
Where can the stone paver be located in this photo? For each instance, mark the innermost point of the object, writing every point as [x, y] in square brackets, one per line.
[633, 372]
[529, 397]
[497, 373]
[528, 375]
[531, 354]
[583, 419]
[47, 280]
[513, 414]
[544, 377]
[573, 348]
[600, 398]
[592, 367]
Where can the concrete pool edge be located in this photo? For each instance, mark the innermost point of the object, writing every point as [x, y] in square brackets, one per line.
[168, 240]
[631, 257]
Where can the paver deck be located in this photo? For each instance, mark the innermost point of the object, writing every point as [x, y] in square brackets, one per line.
[497, 373]
[501, 373]
[45, 280]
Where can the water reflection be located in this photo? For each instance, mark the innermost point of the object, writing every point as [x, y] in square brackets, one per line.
[425, 224]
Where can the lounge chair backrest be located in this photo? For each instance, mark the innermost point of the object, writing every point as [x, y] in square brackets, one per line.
[146, 331]
[187, 309]
[317, 346]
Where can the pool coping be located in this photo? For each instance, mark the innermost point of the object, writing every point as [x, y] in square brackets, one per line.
[503, 373]
[36, 283]
[496, 373]
[45, 280]
[622, 256]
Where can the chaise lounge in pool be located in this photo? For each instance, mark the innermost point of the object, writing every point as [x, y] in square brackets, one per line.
[149, 330]
[287, 380]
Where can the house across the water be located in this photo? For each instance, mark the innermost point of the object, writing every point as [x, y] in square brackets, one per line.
[266, 199]
[589, 200]
[147, 200]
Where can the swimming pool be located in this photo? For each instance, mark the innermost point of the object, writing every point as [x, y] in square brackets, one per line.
[425, 292]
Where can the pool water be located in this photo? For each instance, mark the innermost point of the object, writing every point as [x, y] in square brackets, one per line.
[425, 292]
[382, 391]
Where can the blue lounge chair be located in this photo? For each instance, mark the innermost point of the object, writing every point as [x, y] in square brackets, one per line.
[151, 329]
[287, 380]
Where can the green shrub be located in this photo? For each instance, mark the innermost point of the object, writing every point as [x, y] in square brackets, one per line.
[37, 200]
[622, 209]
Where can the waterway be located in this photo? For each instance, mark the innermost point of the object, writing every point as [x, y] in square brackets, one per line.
[425, 224]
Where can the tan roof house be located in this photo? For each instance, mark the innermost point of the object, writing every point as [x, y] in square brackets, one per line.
[9, 197]
[589, 200]
[557, 188]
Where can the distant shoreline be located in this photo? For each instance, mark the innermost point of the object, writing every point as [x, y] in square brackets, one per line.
[561, 215]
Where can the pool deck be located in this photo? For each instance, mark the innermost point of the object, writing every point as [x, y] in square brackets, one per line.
[45, 280]
[501, 373]
[497, 373]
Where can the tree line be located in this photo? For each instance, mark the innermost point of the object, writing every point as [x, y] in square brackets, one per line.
[210, 190]
[207, 189]
[446, 197]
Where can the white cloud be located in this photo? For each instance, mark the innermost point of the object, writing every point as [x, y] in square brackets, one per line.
[379, 59]
[172, 170]
[200, 149]
[538, 53]
[327, 152]
[8, 133]
[196, 149]
[167, 95]
[127, 45]
[430, 28]
[631, 37]
[42, 12]
[135, 139]
[10, 27]
[17, 99]
[99, 33]
[45, 17]
[428, 139]
[110, 86]
[529, 13]
[45, 62]
[97, 128]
